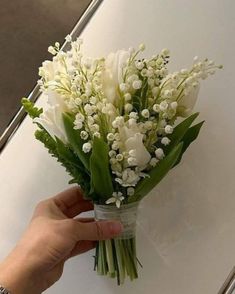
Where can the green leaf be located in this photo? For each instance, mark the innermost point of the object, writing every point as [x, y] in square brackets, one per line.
[156, 174]
[144, 91]
[29, 107]
[75, 140]
[65, 152]
[47, 140]
[139, 99]
[68, 159]
[99, 167]
[136, 101]
[179, 132]
[190, 136]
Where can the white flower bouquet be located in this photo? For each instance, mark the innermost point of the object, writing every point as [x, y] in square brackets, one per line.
[116, 125]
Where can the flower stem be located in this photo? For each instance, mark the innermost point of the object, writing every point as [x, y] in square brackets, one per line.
[109, 257]
[116, 258]
[120, 260]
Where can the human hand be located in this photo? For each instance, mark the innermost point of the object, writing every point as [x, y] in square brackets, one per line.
[52, 237]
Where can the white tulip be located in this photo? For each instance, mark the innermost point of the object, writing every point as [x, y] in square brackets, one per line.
[142, 155]
[51, 119]
[187, 102]
[132, 139]
[126, 133]
[112, 76]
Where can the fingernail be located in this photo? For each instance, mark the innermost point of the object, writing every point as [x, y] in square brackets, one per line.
[116, 228]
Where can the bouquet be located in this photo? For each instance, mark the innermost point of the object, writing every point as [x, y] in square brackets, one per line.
[118, 125]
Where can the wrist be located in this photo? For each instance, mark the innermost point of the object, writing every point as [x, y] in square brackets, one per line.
[18, 275]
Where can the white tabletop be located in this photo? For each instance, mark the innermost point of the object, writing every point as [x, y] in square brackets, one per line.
[186, 233]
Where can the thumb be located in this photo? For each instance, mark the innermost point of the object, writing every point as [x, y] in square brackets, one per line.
[98, 230]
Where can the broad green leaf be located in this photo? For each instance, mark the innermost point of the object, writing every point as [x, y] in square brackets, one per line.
[157, 174]
[29, 107]
[99, 167]
[190, 136]
[179, 132]
[75, 140]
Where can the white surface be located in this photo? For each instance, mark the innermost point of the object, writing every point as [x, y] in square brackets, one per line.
[186, 237]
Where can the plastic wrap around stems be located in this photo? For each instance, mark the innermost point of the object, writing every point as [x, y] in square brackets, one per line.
[126, 214]
[117, 257]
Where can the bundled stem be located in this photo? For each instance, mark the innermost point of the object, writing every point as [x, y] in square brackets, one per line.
[116, 258]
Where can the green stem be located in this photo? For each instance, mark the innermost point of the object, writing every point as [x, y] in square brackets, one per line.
[99, 260]
[132, 257]
[117, 258]
[104, 260]
[119, 255]
[109, 257]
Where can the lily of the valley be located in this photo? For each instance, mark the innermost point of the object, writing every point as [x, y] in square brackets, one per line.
[130, 177]
[117, 198]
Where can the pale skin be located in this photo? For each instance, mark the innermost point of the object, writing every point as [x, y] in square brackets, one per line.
[52, 237]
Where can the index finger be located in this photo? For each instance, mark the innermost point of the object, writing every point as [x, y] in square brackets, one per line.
[71, 201]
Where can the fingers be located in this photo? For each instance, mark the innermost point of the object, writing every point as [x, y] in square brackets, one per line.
[78, 208]
[71, 202]
[68, 198]
[86, 219]
[66, 204]
[97, 230]
[82, 247]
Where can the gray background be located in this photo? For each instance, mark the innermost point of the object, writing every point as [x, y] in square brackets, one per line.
[27, 28]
